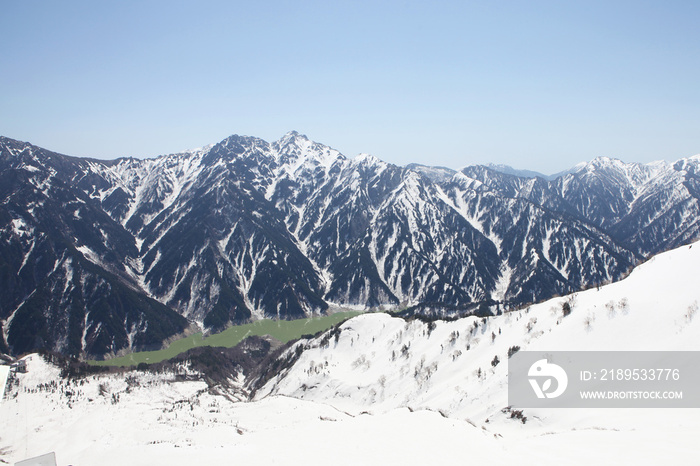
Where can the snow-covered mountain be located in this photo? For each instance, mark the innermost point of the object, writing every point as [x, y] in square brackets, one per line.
[356, 393]
[103, 256]
[508, 170]
[378, 362]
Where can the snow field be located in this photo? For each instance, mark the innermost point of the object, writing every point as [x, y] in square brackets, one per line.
[386, 391]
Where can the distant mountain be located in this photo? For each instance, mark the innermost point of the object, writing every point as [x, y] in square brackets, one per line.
[101, 256]
[508, 170]
[439, 174]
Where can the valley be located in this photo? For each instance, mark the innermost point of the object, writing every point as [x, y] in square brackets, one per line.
[280, 331]
[107, 257]
[366, 386]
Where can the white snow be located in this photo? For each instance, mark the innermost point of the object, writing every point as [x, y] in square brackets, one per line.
[381, 364]
[20, 228]
[351, 403]
[501, 288]
[89, 254]
[4, 373]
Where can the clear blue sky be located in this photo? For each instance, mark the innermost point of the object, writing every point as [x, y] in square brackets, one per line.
[538, 85]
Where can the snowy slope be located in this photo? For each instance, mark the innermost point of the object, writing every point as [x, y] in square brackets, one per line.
[386, 392]
[379, 363]
[143, 419]
[4, 373]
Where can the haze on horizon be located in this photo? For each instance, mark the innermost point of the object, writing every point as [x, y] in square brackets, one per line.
[539, 85]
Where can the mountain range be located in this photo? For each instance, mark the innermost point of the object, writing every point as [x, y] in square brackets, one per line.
[98, 257]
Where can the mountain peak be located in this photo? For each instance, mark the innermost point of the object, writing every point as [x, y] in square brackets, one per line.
[241, 140]
[689, 164]
[294, 134]
[508, 170]
[438, 174]
[603, 160]
[597, 164]
[295, 150]
[13, 146]
[366, 159]
[294, 138]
